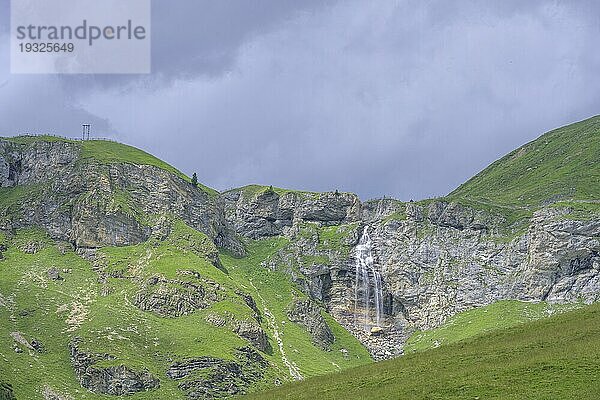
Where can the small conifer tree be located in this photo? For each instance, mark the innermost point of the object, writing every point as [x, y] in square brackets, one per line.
[194, 179]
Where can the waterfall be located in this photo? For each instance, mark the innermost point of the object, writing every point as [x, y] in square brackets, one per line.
[365, 274]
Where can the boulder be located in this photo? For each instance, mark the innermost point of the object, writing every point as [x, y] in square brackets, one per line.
[376, 331]
[54, 275]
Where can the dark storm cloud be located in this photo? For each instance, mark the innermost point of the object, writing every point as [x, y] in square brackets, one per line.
[190, 38]
[202, 37]
[404, 98]
[194, 38]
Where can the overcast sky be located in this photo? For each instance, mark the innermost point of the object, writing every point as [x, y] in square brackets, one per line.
[400, 98]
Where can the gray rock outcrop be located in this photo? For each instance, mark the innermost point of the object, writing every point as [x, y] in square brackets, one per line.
[114, 380]
[54, 275]
[264, 213]
[174, 297]
[308, 314]
[214, 378]
[93, 204]
[250, 330]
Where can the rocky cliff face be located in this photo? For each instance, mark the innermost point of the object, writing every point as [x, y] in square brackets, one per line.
[436, 258]
[269, 213]
[435, 269]
[142, 237]
[94, 204]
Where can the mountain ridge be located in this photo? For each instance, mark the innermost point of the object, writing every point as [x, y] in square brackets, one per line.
[106, 150]
[151, 286]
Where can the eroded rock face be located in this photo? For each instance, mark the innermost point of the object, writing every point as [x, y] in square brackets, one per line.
[268, 213]
[253, 332]
[308, 314]
[114, 380]
[436, 260]
[214, 378]
[431, 276]
[563, 259]
[173, 297]
[91, 204]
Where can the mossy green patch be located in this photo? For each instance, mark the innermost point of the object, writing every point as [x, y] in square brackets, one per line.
[395, 216]
[335, 236]
[315, 260]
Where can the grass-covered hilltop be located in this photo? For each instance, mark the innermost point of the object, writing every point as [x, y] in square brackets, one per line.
[119, 275]
[559, 166]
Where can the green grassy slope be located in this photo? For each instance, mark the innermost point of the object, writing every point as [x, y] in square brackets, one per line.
[54, 312]
[273, 290]
[559, 165]
[500, 315]
[553, 358]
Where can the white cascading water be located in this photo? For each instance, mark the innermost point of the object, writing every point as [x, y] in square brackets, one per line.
[365, 272]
